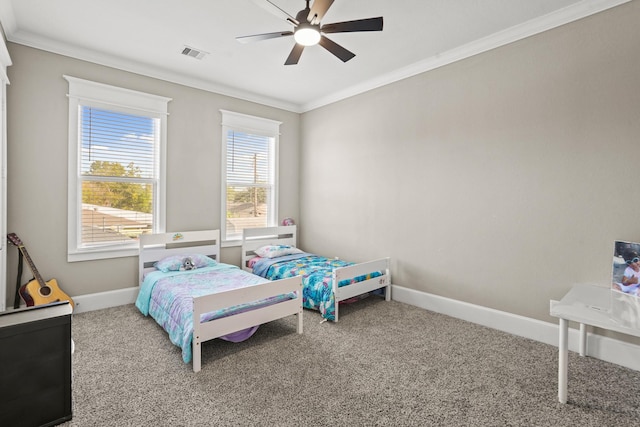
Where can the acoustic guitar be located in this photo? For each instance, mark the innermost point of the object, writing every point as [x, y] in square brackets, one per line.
[37, 291]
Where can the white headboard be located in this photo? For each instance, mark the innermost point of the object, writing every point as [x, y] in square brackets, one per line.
[254, 238]
[154, 247]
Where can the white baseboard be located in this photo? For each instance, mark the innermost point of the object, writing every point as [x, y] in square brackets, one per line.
[600, 347]
[107, 299]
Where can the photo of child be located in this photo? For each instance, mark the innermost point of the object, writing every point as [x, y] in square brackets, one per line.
[626, 268]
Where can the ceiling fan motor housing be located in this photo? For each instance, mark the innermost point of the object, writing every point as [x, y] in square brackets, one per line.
[301, 17]
[308, 32]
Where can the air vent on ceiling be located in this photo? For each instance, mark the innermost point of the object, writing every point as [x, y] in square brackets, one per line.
[194, 53]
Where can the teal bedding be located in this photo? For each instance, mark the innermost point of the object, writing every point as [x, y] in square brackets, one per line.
[317, 278]
[168, 298]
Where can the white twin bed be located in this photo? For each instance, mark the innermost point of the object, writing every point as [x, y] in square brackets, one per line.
[326, 282]
[225, 301]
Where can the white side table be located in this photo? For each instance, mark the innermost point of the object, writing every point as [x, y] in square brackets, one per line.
[587, 305]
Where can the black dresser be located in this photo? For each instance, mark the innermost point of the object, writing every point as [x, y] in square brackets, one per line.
[35, 365]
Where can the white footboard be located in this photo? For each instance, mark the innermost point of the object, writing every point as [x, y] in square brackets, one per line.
[218, 327]
[359, 288]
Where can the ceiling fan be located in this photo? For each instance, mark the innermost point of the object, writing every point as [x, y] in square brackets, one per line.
[307, 30]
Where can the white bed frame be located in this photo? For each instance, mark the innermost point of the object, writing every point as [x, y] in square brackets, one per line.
[154, 247]
[254, 238]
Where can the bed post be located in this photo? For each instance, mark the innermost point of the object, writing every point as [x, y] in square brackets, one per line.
[300, 310]
[387, 291]
[196, 356]
[196, 346]
[300, 307]
[334, 284]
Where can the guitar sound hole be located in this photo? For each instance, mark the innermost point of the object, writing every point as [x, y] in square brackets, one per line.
[45, 291]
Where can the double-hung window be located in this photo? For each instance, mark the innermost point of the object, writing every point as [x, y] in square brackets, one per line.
[249, 173]
[117, 145]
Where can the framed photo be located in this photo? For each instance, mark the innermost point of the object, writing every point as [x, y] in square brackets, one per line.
[625, 276]
[625, 284]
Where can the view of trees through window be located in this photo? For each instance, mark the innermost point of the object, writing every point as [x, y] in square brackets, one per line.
[121, 195]
[117, 175]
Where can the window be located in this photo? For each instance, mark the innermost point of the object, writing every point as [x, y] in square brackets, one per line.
[249, 171]
[117, 140]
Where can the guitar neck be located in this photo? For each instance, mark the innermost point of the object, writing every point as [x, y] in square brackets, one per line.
[32, 266]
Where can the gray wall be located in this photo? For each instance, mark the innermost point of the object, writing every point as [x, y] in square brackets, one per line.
[37, 114]
[500, 180]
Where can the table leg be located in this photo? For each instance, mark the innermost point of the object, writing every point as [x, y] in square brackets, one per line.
[563, 359]
[583, 339]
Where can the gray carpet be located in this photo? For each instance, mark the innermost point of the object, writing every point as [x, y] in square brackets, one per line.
[384, 363]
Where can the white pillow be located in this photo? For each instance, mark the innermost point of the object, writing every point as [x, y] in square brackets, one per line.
[274, 251]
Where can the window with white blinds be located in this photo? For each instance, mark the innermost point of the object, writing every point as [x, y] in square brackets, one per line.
[117, 175]
[249, 167]
[116, 169]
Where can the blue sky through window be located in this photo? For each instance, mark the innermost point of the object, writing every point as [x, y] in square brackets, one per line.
[111, 136]
[248, 158]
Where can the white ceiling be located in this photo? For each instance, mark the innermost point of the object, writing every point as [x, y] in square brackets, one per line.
[147, 37]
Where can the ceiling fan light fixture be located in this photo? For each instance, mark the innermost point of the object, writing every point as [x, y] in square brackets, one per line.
[307, 35]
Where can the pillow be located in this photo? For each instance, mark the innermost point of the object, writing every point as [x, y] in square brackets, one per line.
[253, 261]
[274, 251]
[174, 262]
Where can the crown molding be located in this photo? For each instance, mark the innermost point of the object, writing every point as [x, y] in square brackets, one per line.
[518, 32]
[561, 17]
[76, 52]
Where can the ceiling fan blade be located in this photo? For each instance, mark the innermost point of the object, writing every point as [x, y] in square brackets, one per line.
[265, 36]
[274, 9]
[336, 49]
[294, 56]
[318, 10]
[369, 24]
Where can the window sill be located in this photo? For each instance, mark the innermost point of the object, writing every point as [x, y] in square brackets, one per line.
[96, 254]
[231, 244]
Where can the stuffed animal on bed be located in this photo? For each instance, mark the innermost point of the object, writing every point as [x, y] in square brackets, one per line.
[188, 264]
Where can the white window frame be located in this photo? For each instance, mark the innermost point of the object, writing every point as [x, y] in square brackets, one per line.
[99, 95]
[5, 61]
[232, 121]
